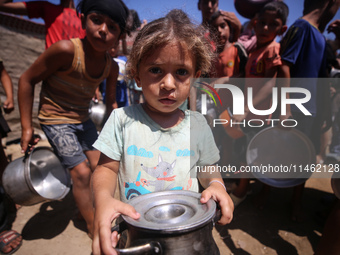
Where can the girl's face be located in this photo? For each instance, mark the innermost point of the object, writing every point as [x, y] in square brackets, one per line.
[222, 29]
[267, 26]
[101, 31]
[165, 76]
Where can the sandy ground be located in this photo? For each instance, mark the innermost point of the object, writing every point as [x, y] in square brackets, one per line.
[53, 227]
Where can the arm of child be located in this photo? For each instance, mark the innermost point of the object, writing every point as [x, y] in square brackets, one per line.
[214, 188]
[283, 81]
[262, 94]
[234, 23]
[107, 208]
[111, 82]
[18, 8]
[58, 57]
[266, 89]
[8, 87]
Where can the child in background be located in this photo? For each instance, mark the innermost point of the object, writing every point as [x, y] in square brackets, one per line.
[264, 62]
[167, 53]
[121, 88]
[61, 21]
[11, 240]
[8, 106]
[71, 71]
[228, 63]
[303, 52]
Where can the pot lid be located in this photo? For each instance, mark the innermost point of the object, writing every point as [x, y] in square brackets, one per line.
[171, 211]
[280, 147]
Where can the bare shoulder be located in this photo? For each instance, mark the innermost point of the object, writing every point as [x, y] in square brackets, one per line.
[62, 47]
[63, 51]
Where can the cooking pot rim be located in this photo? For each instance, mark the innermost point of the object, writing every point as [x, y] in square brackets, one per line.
[191, 213]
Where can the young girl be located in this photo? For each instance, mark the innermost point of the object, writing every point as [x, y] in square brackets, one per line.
[228, 63]
[264, 62]
[157, 142]
[71, 70]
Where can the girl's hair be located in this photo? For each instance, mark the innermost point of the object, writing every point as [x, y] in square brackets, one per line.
[214, 16]
[279, 7]
[174, 27]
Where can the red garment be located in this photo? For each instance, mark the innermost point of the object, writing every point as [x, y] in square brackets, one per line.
[227, 65]
[61, 23]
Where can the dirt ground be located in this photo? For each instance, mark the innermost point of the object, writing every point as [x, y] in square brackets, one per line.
[52, 228]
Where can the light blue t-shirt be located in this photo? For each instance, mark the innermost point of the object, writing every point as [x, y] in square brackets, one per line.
[153, 158]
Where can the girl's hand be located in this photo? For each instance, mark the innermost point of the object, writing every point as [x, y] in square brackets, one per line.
[217, 192]
[105, 214]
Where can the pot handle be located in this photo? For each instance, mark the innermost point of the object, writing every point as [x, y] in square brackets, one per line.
[149, 248]
[218, 214]
[120, 225]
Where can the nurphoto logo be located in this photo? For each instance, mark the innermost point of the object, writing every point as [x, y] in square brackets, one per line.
[280, 99]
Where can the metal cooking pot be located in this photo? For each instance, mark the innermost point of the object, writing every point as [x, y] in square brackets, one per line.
[281, 148]
[97, 113]
[36, 177]
[171, 222]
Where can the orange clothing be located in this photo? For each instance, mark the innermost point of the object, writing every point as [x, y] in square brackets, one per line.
[228, 62]
[259, 61]
[66, 95]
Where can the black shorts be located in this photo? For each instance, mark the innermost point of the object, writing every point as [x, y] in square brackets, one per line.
[4, 128]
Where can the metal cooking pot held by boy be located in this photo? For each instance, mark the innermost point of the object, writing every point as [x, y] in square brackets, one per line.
[36, 177]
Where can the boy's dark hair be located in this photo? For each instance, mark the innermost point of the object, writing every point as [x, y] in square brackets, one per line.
[310, 5]
[280, 8]
[115, 9]
[217, 14]
[136, 23]
[201, 0]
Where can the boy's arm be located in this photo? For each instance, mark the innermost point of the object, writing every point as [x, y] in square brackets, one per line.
[103, 184]
[111, 83]
[8, 87]
[214, 188]
[262, 94]
[266, 89]
[18, 8]
[283, 81]
[58, 57]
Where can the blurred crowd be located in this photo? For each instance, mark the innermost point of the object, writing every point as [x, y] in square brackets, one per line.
[263, 47]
